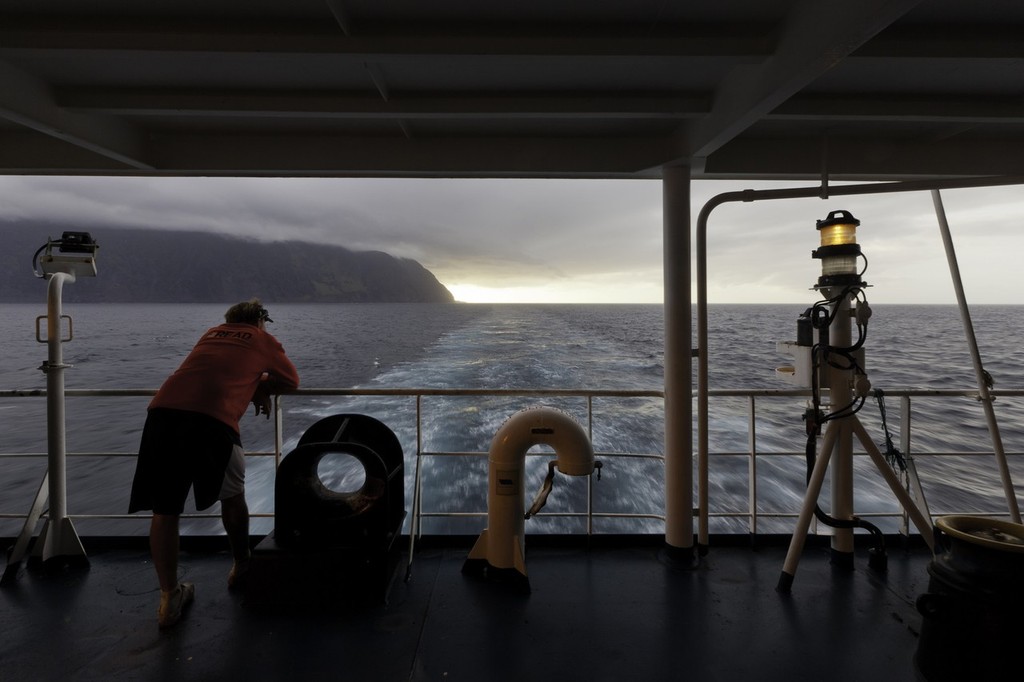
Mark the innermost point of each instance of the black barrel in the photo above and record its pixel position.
(973, 611)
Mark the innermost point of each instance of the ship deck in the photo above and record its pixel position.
(607, 609)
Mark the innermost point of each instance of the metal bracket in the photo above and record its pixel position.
(71, 329)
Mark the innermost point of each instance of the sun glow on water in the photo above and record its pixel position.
(472, 293)
(560, 292)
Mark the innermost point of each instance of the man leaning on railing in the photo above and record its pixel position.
(191, 440)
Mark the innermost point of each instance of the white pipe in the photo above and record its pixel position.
(750, 195)
(979, 370)
(840, 396)
(58, 538)
(55, 429)
(678, 365)
(501, 545)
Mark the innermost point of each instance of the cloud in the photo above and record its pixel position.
(588, 239)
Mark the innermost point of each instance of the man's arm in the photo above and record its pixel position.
(281, 373)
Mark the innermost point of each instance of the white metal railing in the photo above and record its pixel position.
(752, 515)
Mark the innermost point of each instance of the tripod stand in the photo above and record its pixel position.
(839, 437)
(834, 359)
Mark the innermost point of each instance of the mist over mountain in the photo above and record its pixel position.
(136, 265)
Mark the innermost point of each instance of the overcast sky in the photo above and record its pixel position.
(564, 240)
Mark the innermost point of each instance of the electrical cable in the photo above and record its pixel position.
(831, 521)
(892, 454)
(35, 260)
(822, 316)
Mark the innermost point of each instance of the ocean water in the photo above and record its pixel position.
(516, 347)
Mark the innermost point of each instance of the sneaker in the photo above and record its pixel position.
(173, 603)
(237, 575)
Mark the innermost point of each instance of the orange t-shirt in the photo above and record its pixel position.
(221, 374)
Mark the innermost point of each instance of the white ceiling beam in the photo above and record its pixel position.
(164, 34)
(867, 156)
(867, 106)
(818, 35)
(341, 105)
(379, 42)
(27, 101)
(872, 107)
(959, 41)
(853, 157)
(439, 156)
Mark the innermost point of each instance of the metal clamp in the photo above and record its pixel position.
(71, 329)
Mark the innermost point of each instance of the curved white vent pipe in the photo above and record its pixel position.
(499, 551)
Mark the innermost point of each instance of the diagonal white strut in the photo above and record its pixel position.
(972, 342)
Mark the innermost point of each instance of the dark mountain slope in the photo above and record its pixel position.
(195, 267)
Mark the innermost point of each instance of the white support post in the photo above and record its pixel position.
(58, 541)
(841, 396)
(679, 543)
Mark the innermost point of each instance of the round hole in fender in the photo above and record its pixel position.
(340, 472)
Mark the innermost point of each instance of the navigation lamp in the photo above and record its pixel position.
(841, 229)
(839, 251)
(839, 265)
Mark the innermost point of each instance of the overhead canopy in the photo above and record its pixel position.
(518, 88)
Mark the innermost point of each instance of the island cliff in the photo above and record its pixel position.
(137, 265)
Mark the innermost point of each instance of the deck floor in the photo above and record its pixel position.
(612, 611)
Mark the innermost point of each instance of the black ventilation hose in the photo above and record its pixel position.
(855, 522)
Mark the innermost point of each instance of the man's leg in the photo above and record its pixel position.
(234, 512)
(163, 545)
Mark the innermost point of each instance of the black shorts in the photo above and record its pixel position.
(180, 450)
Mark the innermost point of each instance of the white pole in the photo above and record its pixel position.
(58, 539)
(979, 371)
(56, 442)
(840, 397)
(678, 365)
